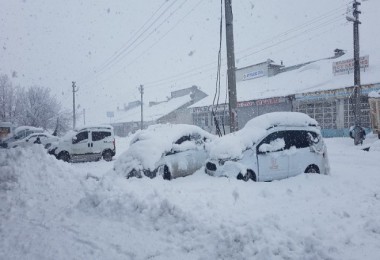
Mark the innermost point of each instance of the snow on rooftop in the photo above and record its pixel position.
(316, 76)
(151, 113)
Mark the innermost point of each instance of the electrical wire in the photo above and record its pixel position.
(210, 67)
(156, 42)
(329, 22)
(127, 50)
(135, 34)
(217, 85)
(212, 64)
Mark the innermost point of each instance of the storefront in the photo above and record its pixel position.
(333, 109)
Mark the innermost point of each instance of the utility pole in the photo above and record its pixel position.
(141, 89)
(358, 132)
(84, 116)
(232, 99)
(75, 89)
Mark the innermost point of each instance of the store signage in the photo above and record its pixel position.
(253, 75)
(260, 102)
(335, 93)
(347, 66)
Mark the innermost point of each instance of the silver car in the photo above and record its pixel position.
(167, 150)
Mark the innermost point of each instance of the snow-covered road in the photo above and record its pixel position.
(54, 210)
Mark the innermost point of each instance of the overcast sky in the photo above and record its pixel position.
(104, 48)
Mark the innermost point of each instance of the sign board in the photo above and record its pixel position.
(110, 114)
(224, 107)
(253, 75)
(347, 66)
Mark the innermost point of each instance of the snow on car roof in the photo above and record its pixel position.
(150, 144)
(109, 127)
(169, 132)
(281, 118)
(232, 145)
(22, 128)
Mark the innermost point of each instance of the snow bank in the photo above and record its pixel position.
(36, 191)
(55, 210)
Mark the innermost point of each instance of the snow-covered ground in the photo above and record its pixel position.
(55, 210)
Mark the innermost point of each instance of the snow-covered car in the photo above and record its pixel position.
(20, 133)
(169, 150)
(272, 146)
(45, 139)
(87, 144)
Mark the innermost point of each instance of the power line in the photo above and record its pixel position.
(131, 39)
(217, 85)
(195, 71)
(297, 28)
(311, 22)
(119, 56)
(329, 22)
(156, 42)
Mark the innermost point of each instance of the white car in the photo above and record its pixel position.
(87, 144)
(37, 138)
(20, 133)
(168, 150)
(270, 147)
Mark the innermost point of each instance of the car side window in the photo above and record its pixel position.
(301, 139)
(99, 135)
(32, 138)
(183, 139)
(80, 137)
(271, 139)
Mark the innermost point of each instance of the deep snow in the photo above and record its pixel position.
(54, 210)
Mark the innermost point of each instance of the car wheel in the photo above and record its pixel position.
(64, 156)
(312, 169)
(167, 175)
(107, 156)
(249, 175)
(133, 173)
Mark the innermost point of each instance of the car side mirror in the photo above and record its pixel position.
(74, 139)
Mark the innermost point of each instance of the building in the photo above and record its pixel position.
(322, 89)
(172, 110)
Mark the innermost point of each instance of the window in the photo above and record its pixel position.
(80, 137)
(183, 139)
(299, 139)
(272, 138)
(99, 135)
